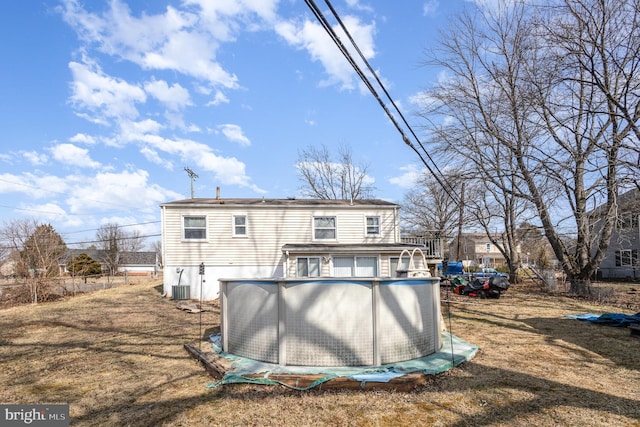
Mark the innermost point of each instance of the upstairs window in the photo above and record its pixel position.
(195, 227)
(626, 258)
(373, 226)
(240, 225)
(324, 228)
(627, 221)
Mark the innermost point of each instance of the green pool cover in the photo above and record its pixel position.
(454, 351)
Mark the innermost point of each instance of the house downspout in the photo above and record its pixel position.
(396, 225)
(163, 237)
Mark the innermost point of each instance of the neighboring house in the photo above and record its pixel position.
(132, 263)
(278, 238)
(622, 260)
(8, 268)
(476, 249)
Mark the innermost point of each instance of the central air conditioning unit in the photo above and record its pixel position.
(180, 292)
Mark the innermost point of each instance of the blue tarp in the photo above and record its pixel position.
(608, 319)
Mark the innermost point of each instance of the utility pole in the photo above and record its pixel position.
(193, 176)
(460, 218)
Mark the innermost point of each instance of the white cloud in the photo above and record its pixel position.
(226, 170)
(130, 131)
(355, 4)
(35, 158)
(311, 37)
(106, 96)
(116, 191)
(408, 178)
(154, 157)
(73, 155)
(218, 98)
(46, 211)
(83, 139)
(225, 18)
(33, 186)
(176, 40)
(174, 97)
(234, 134)
(430, 7)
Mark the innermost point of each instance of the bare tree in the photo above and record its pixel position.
(115, 243)
(324, 177)
(39, 248)
(533, 102)
(156, 246)
(478, 113)
(429, 209)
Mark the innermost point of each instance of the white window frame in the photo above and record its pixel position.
(401, 264)
(185, 228)
(627, 220)
(316, 228)
(354, 265)
(235, 226)
(306, 259)
(626, 255)
(372, 230)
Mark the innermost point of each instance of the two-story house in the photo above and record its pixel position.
(206, 239)
(475, 249)
(622, 260)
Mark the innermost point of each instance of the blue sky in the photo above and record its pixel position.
(105, 102)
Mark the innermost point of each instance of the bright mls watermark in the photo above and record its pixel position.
(54, 415)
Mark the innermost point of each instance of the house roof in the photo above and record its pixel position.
(347, 248)
(629, 200)
(128, 258)
(208, 202)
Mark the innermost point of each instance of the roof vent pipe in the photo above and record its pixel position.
(217, 193)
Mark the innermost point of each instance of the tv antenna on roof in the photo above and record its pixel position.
(193, 176)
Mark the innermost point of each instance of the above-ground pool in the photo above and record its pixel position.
(331, 321)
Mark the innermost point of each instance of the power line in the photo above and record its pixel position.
(57, 192)
(433, 168)
(119, 226)
(121, 238)
(127, 237)
(43, 212)
(124, 238)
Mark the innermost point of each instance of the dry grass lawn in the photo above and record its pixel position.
(117, 357)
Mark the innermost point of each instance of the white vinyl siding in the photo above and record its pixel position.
(269, 228)
(195, 227)
(308, 267)
(359, 266)
(324, 228)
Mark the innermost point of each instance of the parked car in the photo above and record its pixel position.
(487, 272)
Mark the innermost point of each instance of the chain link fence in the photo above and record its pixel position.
(23, 290)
